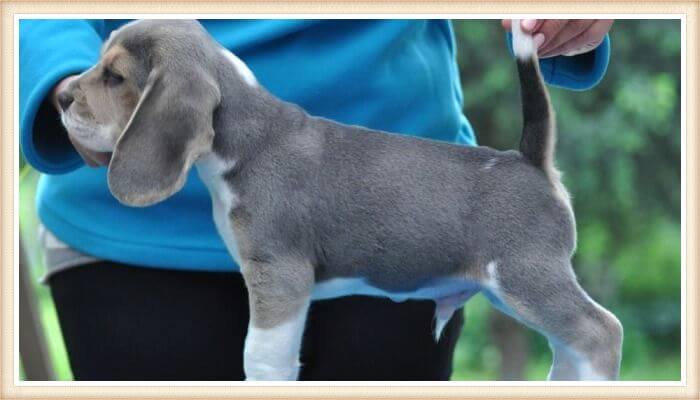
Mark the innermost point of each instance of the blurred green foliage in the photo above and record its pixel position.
(619, 150)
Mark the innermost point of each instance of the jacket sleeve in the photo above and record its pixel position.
(580, 72)
(50, 50)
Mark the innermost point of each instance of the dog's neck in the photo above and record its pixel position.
(247, 122)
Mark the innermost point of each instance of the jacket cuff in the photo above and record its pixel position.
(44, 141)
(580, 72)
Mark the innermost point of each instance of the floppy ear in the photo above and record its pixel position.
(170, 127)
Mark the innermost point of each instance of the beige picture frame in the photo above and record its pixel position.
(11, 387)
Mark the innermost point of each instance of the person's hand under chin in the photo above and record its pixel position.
(92, 158)
(567, 37)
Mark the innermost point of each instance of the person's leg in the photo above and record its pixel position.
(366, 338)
(130, 323)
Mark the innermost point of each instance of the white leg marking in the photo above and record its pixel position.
(571, 363)
(523, 44)
(241, 67)
(586, 372)
(273, 354)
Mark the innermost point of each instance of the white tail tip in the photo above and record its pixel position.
(523, 44)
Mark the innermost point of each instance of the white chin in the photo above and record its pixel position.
(92, 138)
(95, 144)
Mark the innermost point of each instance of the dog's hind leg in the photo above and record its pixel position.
(585, 338)
(279, 295)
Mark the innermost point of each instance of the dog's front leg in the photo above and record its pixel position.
(279, 294)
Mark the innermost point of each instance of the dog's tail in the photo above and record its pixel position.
(539, 132)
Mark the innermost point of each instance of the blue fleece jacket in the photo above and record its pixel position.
(394, 75)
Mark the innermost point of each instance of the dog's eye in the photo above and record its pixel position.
(111, 78)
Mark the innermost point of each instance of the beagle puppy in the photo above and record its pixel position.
(313, 209)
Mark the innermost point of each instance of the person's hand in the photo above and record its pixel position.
(567, 37)
(92, 158)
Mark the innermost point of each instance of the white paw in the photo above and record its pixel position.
(263, 372)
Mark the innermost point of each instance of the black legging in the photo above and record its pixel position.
(128, 323)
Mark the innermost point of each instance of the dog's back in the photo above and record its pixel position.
(386, 202)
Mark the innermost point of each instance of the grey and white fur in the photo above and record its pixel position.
(314, 209)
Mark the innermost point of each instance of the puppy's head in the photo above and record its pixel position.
(150, 100)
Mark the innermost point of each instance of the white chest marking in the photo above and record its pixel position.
(223, 199)
(242, 69)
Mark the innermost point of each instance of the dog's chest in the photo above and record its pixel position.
(211, 170)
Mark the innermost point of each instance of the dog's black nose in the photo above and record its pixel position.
(64, 100)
